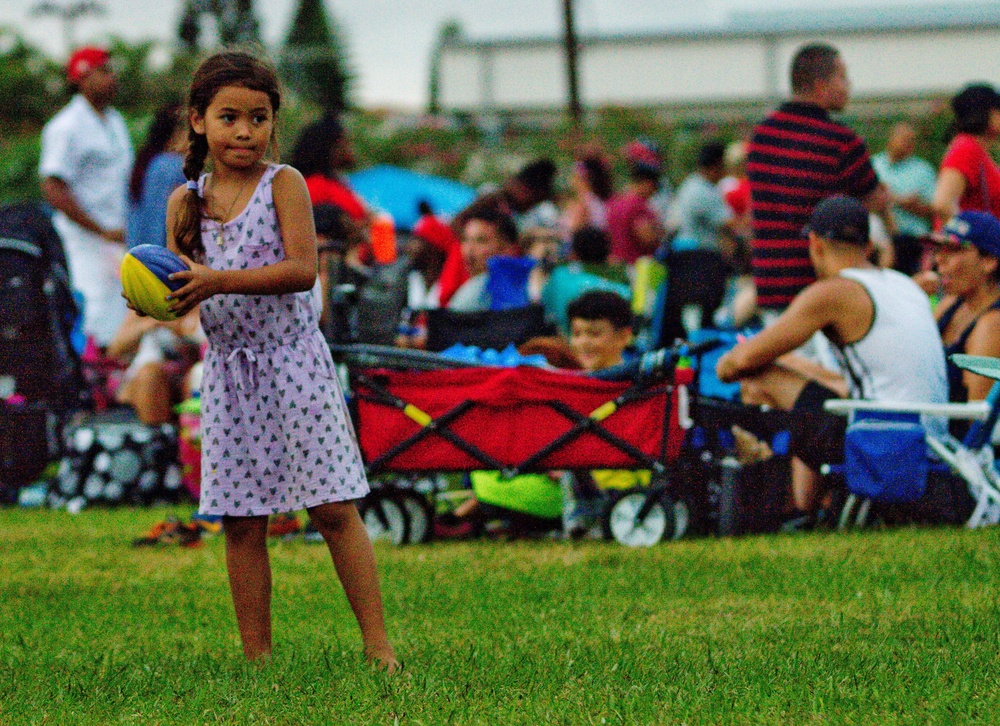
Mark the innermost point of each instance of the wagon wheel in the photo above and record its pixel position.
(385, 518)
(420, 513)
(666, 518)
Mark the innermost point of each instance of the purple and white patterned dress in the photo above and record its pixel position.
(276, 433)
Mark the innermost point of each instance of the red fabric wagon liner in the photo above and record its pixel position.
(511, 419)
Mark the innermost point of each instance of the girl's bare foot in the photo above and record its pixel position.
(383, 657)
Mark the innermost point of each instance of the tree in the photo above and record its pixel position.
(141, 89)
(449, 32)
(314, 60)
(189, 27)
(69, 13)
(235, 22)
(31, 86)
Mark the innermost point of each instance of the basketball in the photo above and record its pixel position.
(145, 278)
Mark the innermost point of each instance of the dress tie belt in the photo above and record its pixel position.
(246, 372)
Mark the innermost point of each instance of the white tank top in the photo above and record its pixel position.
(901, 358)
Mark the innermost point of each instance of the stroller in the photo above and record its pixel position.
(418, 413)
(41, 378)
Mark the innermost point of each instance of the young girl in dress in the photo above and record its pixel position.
(276, 434)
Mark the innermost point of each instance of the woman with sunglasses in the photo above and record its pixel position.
(967, 257)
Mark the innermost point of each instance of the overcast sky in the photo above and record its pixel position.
(389, 41)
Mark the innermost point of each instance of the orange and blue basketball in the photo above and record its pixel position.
(146, 272)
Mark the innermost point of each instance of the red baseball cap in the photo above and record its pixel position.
(83, 61)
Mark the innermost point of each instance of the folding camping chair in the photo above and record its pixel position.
(885, 462)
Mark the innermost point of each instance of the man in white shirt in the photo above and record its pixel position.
(85, 164)
(882, 332)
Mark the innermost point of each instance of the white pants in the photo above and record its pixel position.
(95, 271)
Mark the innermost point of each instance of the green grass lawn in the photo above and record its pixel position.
(880, 627)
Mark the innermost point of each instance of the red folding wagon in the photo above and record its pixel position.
(417, 413)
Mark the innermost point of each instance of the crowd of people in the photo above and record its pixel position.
(847, 264)
(835, 254)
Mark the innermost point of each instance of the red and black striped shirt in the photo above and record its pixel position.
(797, 157)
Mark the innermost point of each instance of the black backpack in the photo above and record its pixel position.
(37, 311)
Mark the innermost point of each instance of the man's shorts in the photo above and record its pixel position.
(817, 436)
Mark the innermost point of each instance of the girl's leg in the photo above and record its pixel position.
(354, 559)
(250, 582)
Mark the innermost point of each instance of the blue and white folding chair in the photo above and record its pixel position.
(884, 460)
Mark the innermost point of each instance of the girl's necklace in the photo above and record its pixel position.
(220, 238)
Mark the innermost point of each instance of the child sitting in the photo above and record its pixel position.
(159, 356)
(600, 330)
(600, 325)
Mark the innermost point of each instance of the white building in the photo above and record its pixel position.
(901, 57)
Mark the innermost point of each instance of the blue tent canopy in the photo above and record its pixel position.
(397, 191)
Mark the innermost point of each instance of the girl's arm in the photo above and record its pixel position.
(296, 273)
(177, 198)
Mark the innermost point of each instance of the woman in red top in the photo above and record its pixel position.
(343, 221)
(322, 152)
(969, 179)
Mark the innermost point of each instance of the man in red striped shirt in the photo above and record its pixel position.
(797, 157)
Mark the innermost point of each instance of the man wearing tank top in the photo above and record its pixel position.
(882, 333)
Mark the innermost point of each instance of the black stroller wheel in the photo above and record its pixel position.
(385, 518)
(420, 513)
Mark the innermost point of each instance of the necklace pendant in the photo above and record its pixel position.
(220, 238)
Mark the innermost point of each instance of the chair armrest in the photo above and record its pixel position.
(976, 410)
(980, 364)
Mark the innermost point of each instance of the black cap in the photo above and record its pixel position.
(840, 218)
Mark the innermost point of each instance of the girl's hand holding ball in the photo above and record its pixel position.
(201, 283)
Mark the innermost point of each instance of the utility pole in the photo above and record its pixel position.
(69, 13)
(575, 110)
